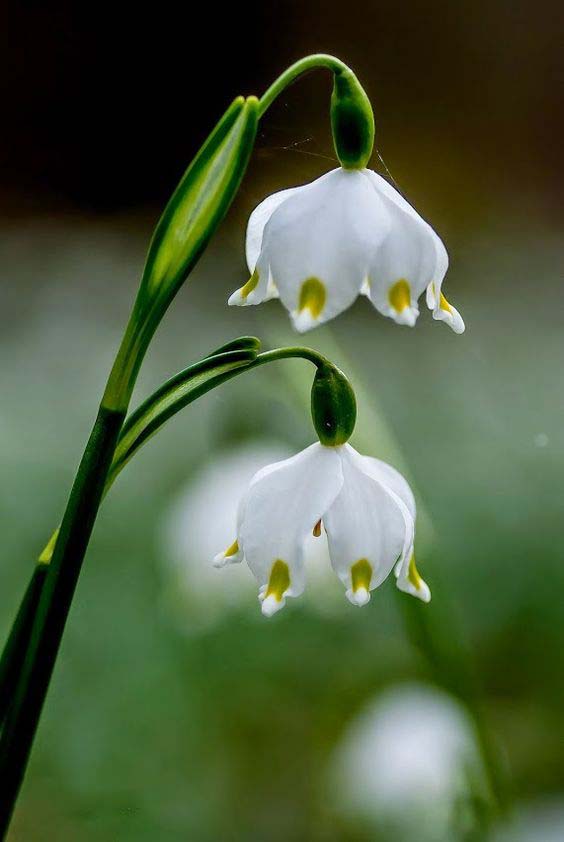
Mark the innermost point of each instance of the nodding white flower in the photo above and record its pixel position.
(365, 506)
(195, 594)
(319, 245)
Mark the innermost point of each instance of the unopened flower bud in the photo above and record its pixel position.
(352, 121)
(333, 406)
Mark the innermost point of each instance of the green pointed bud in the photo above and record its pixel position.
(190, 219)
(333, 406)
(200, 201)
(352, 121)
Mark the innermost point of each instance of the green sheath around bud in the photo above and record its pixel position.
(352, 121)
(333, 406)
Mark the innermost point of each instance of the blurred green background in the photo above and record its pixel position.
(176, 711)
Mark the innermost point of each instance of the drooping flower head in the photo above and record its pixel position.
(318, 246)
(365, 506)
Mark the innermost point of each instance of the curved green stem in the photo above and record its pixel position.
(291, 352)
(183, 389)
(180, 391)
(314, 62)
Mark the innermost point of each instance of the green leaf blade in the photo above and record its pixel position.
(174, 395)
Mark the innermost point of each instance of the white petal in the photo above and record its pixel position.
(260, 287)
(324, 233)
(368, 527)
(447, 313)
(258, 220)
(407, 261)
(281, 507)
(443, 310)
(232, 555)
(409, 580)
(389, 476)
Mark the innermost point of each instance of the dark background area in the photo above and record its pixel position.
(104, 104)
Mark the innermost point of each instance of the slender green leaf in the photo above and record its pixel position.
(176, 393)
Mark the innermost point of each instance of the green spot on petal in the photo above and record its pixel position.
(279, 580)
(312, 297)
(445, 305)
(413, 574)
(361, 575)
(251, 284)
(399, 295)
(232, 550)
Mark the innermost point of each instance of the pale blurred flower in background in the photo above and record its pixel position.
(407, 764)
(201, 521)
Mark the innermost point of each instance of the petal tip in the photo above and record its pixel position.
(443, 311)
(407, 317)
(303, 320)
(458, 325)
(236, 299)
(219, 561)
(453, 319)
(232, 555)
(422, 592)
(270, 605)
(359, 597)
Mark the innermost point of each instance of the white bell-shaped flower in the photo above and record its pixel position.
(319, 245)
(365, 506)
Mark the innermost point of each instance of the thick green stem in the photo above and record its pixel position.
(52, 611)
(129, 444)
